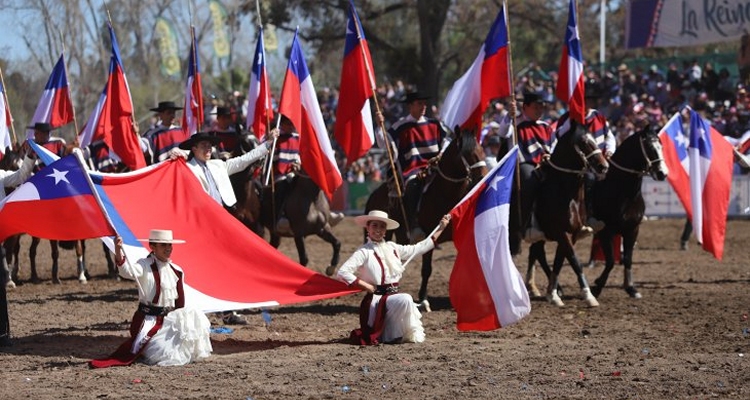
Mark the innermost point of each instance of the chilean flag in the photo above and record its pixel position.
(488, 78)
(55, 106)
(675, 142)
(354, 129)
(299, 103)
(192, 117)
(252, 274)
(61, 188)
(259, 110)
(711, 162)
(570, 87)
(485, 287)
(112, 119)
(5, 121)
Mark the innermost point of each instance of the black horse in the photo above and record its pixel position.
(560, 208)
(618, 200)
(458, 169)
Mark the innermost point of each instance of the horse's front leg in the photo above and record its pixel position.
(552, 295)
(299, 241)
(426, 272)
(6, 279)
(55, 251)
(111, 269)
(530, 275)
(606, 241)
(628, 242)
(32, 258)
(81, 260)
(327, 235)
(570, 255)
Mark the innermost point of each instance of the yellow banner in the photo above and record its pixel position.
(221, 38)
(167, 42)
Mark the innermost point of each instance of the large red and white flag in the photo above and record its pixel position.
(570, 82)
(252, 274)
(259, 109)
(354, 128)
(675, 143)
(55, 106)
(299, 103)
(112, 118)
(488, 78)
(192, 117)
(485, 287)
(5, 121)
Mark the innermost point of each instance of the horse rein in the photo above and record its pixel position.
(649, 162)
(467, 178)
(584, 157)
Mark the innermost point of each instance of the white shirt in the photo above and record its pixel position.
(15, 178)
(365, 265)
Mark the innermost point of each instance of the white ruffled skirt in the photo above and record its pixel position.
(402, 319)
(183, 337)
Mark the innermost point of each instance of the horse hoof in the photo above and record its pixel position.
(589, 298)
(554, 299)
(56, 281)
(424, 304)
(534, 291)
(633, 292)
(596, 290)
(330, 270)
(10, 285)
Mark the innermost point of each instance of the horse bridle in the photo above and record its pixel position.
(649, 161)
(468, 168)
(584, 157)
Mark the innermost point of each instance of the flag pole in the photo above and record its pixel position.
(7, 104)
(72, 105)
(517, 173)
(379, 113)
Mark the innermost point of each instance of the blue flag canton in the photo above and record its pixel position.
(498, 35)
(297, 62)
(700, 135)
(681, 141)
(498, 186)
(572, 40)
(63, 178)
(352, 38)
(258, 60)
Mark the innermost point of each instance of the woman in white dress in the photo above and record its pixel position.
(386, 316)
(163, 331)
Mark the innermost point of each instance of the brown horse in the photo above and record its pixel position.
(560, 208)
(459, 167)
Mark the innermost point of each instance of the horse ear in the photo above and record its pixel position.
(457, 130)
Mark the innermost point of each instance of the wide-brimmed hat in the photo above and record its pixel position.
(199, 137)
(165, 105)
(223, 111)
(414, 96)
(161, 236)
(531, 98)
(592, 90)
(376, 215)
(41, 126)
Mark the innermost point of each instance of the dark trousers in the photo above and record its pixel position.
(4, 319)
(686, 231)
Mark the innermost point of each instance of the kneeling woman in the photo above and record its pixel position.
(163, 330)
(385, 315)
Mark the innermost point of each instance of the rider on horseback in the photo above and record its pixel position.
(596, 123)
(165, 135)
(418, 140)
(535, 138)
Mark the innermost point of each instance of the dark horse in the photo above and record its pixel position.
(618, 200)
(560, 208)
(459, 167)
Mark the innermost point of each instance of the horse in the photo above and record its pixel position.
(450, 178)
(560, 216)
(618, 200)
(307, 209)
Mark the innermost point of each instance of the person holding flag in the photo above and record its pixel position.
(386, 316)
(163, 331)
(56, 145)
(418, 140)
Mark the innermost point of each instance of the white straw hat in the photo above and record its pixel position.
(376, 215)
(161, 236)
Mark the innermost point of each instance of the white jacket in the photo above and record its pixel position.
(220, 171)
(15, 178)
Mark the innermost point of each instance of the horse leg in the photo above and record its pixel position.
(628, 242)
(111, 269)
(531, 271)
(426, 272)
(275, 240)
(552, 295)
(81, 260)
(299, 241)
(11, 256)
(570, 255)
(327, 235)
(53, 244)
(7, 281)
(32, 259)
(606, 243)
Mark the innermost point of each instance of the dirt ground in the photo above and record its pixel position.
(686, 338)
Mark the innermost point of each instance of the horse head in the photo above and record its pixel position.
(653, 153)
(576, 151)
(463, 159)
